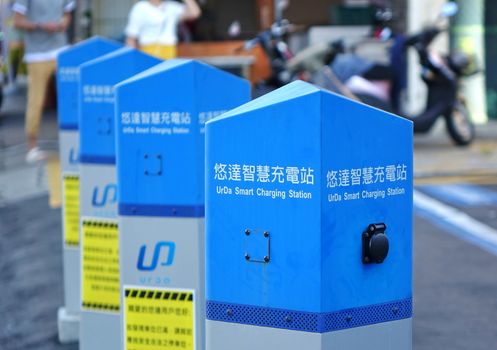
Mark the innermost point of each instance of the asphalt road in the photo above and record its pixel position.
(455, 295)
(455, 292)
(30, 276)
(455, 277)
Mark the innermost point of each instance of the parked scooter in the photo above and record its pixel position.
(284, 65)
(375, 84)
(274, 45)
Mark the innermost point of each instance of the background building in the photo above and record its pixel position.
(108, 18)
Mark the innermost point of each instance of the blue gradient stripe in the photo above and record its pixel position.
(183, 211)
(90, 159)
(309, 321)
(68, 127)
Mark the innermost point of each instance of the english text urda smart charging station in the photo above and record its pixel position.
(308, 225)
(68, 63)
(161, 115)
(100, 297)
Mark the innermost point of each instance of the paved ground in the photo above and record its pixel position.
(436, 156)
(455, 275)
(31, 270)
(455, 287)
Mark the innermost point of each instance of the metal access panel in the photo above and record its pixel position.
(160, 163)
(308, 224)
(100, 289)
(68, 63)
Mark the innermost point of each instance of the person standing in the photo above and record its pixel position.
(44, 23)
(152, 25)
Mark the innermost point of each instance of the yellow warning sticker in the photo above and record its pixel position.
(159, 319)
(71, 210)
(100, 265)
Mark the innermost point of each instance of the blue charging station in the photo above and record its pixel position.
(308, 225)
(100, 289)
(68, 63)
(161, 115)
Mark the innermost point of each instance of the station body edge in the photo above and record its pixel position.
(100, 326)
(161, 115)
(68, 63)
(295, 179)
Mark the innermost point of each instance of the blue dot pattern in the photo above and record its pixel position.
(309, 321)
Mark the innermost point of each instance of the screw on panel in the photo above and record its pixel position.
(266, 234)
(395, 310)
(348, 318)
(229, 312)
(247, 257)
(247, 232)
(288, 319)
(266, 259)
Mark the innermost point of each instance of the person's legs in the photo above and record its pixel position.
(39, 75)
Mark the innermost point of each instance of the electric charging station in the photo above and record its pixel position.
(100, 296)
(308, 225)
(161, 115)
(68, 63)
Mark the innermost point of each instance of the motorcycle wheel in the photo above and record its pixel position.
(459, 125)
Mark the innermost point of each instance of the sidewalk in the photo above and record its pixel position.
(436, 156)
(19, 180)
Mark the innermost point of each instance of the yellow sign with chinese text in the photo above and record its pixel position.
(100, 265)
(159, 319)
(71, 210)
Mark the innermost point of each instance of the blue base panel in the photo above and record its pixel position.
(88, 159)
(309, 321)
(181, 211)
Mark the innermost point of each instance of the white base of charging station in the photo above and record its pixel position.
(68, 325)
(394, 335)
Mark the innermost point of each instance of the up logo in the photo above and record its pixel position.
(167, 257)
(106, 197)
